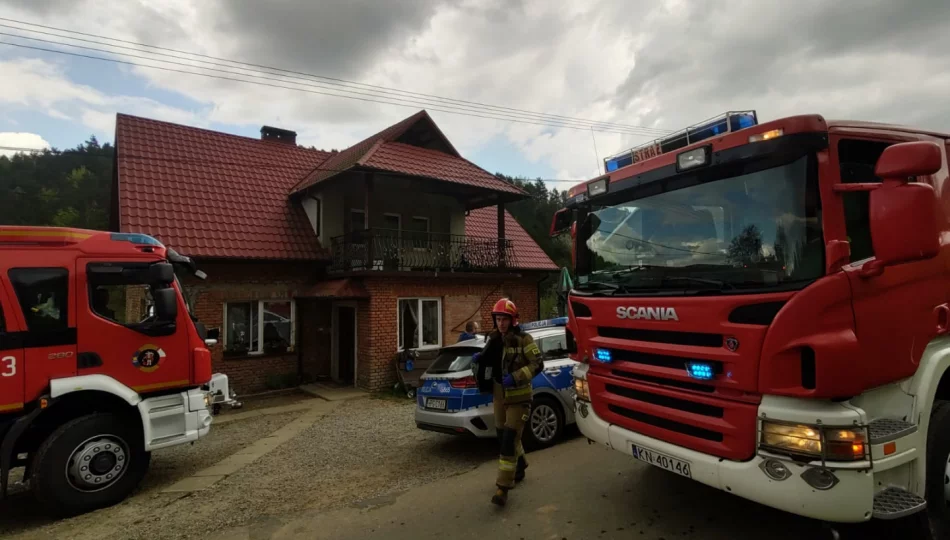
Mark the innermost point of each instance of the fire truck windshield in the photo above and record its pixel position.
(757, 230)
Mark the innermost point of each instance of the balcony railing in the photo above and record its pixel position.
(405, 251)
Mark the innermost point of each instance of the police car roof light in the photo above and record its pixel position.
(547, 323)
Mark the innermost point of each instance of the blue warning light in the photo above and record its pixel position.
(603, 355)
(700, 370)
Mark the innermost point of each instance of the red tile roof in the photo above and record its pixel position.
(337, 288)
(382, 152)
(212, 194)
(528, 255)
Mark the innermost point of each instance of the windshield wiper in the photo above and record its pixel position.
(720, 285)
(610, 287)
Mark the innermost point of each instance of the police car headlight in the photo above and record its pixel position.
(209, 400)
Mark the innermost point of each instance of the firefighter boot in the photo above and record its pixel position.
(519, 472)
(500, 497)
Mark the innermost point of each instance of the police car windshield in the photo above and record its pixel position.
(453, 359)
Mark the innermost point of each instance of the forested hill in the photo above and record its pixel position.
(69, 188)
(72, 188)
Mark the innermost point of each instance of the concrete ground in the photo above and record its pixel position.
(573, 491)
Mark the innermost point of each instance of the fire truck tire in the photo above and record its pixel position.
(934, 523)
(545, 424)
(91, 462)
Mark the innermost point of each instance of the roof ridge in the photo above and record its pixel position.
(218, 133)
(372, 150)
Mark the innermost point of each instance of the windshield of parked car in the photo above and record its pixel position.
(453, 359)
(756, 230)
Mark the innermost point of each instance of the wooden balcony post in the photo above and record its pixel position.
(502, 244)
(367, 234)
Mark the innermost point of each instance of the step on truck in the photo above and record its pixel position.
(101, 362)
(763, 308)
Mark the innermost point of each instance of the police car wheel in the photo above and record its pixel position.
(545, 423)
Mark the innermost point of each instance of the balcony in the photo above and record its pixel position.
(376, 250)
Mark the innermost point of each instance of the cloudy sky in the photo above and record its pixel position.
(639, 65)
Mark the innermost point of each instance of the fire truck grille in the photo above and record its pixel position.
(660, 360)
(695, 339)
(669, 425)
(662, 381)
(666, 401)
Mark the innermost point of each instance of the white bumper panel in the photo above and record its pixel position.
(461, 420)
(174, 419)
(849, 501)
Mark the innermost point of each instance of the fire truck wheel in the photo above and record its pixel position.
(91, 462)
(545, 423)
(935, 521)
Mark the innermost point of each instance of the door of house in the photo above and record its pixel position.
(345, 344)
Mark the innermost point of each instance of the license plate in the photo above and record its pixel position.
(438, 404)
(662, 461)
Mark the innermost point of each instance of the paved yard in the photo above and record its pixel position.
(363, 449)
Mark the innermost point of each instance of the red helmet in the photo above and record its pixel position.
(505, 307)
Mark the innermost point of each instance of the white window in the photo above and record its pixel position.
(261, 326)
(420, 323)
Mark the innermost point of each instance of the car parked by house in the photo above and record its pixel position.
(448, 400)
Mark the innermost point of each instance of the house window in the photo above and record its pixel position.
(420, 323)
(357, 220)
(42, 293)
(419, 232)
(259, 327)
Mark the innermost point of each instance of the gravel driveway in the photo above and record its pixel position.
(364, 450)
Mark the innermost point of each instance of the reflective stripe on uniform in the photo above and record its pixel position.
(532, 348)
(507, 466)
(518, 391)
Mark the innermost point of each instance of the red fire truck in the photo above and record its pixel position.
(763, 308)
(100, 362)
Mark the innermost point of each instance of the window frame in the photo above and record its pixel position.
(260, 351)
(427, 242)
(357, 211)
(419, 301)
(545, 351)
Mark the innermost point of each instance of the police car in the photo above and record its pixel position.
(448, 400)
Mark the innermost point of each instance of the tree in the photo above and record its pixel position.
(746, 248)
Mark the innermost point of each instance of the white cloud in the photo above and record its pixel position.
(17, 139)
(636, 62)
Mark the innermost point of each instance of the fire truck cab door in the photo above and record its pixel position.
(12, 361)
(119, 331)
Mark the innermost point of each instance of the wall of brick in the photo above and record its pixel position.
(247, 281)
(462, 300)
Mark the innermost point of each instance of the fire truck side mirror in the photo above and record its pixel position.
(161, 273)
(561, 221)
(166, 304)
(903, 213)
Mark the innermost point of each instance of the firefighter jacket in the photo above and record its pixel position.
(516, 354)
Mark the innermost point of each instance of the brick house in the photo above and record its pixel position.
(322, 265)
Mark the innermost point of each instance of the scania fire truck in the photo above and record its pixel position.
(763, 308)
(101, 362)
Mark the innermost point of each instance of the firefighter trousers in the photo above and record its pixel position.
(510, 420)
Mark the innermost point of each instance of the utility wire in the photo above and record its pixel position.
(305, 168)
(212, 76)
(336, 81)
(346, 93)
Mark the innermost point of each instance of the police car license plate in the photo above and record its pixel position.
(438, 404)
(662, 461)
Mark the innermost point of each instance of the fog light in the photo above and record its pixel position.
(583, 410)
(775, 469)
(820, 479)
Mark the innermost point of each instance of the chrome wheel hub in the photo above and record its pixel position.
(97, 463)
(543, 423)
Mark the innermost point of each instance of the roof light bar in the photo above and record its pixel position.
(719, 125)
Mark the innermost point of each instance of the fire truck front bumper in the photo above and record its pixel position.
(767, 480)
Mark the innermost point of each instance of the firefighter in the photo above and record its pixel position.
(520, 361)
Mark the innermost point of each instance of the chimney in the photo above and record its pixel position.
(269, 133)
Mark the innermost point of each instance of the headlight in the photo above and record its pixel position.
(828, 443)
(581, 389)
(209, 400)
